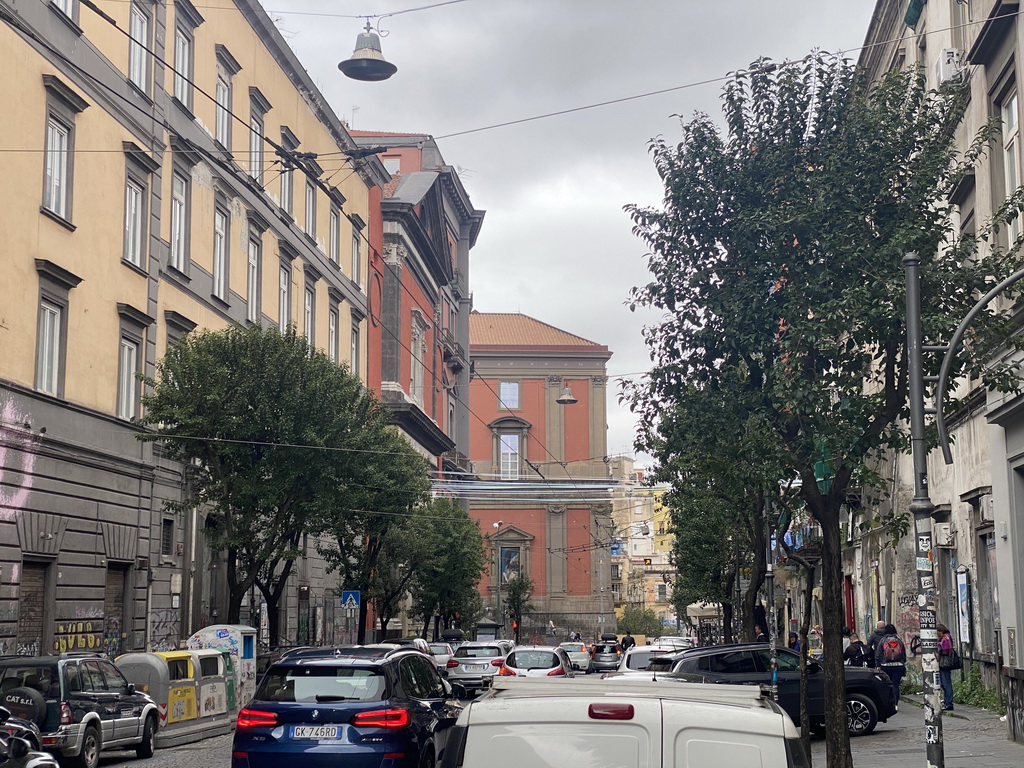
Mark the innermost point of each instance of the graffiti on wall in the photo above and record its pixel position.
(1015, 708)
(164, 629)
(17, 460)
(78, 636)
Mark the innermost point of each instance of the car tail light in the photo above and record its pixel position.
(555, 672)
(611, 711)
(506, 672)
(66, 718)
(497, 662)
(254, 718)
(451, 664)
(383, 718)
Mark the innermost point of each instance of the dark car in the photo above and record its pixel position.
(81, 703)
(19, 728)
(605, 657)
(16, 752)
(870, 698)
(357, 707)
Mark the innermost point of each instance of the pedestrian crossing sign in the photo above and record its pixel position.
(350, 598)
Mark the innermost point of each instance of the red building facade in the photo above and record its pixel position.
(541, 487)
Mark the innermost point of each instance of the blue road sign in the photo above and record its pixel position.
(350, 598)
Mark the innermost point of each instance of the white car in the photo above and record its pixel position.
(578, 654)
(536, 661)
(639, 656)
(441, 653)
(674, 641)
(553, 723)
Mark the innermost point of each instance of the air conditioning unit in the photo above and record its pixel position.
(987, 508)
(943, 535)
(948, 65)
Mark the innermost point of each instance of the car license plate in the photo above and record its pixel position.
(315, 732)
(476, 667)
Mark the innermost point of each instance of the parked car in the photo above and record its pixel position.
(578, 655)
(441, 653)
(537, 661)
(81, 703)
(674, 641)
(870, 698)
(606, 656)
(473, 663)
(547, 723)
(389, 707)
(639, 656)
(16, 752)
(19, 728)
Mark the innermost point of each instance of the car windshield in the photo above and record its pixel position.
(574, 647)
(39, 677)
(321, 684)
(606, 648)
(440, 649)
(660, 664)
(532, 660)
(479, 652)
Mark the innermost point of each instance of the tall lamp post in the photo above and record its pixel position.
(499, 614)
(922, 508)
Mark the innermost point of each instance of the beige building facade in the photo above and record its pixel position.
(169, 167)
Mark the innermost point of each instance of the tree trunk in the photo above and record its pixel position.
(757, 572)
(805, 626)
(384, 621)
(727, 619)
(361, 629)
(837, 736)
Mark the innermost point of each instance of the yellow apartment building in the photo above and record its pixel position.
(167, 166)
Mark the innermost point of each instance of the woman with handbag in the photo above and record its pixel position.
(947, 663)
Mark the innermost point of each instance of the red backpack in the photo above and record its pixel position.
(892, 649)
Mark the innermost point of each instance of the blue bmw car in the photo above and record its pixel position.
(361, 707)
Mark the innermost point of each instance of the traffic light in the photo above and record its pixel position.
(648, 561)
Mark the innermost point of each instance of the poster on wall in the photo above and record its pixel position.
(963, 604)
(510, 563)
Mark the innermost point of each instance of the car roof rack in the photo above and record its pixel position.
(653, 686)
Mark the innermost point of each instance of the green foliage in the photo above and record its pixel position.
(969, 689)
(640, 621)
(446, 581)
(516, 595)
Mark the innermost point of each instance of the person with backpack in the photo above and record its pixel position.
(856, 653)
(948, 661)
(891, 657)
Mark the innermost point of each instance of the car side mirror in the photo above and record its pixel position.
(17, 748)
(459, 691)
(131, 688)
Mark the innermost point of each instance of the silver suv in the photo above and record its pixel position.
(473, 663)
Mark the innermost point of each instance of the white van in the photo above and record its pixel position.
(625, 722)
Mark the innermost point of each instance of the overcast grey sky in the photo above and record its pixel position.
(556, 244)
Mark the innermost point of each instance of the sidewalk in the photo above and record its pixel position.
(971, 737)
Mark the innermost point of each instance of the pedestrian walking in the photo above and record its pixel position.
(794, 641)
(948, 661)
(627, 641)
(857, 654)
(877, 635)
(891, 657)
(759, 635)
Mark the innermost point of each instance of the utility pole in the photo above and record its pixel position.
(771, 619)
(922, 508)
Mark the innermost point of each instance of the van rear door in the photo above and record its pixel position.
(697, 736)
(558, 731)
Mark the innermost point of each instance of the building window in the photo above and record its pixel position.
(310, 209)
(334, 242)
(508, 453)
(223, 118)
(662, 593)
(134, 220)
(354, 351)
(64, 6)
(1011, 155)
(508, 394)
(256, 146)
(127, 385)
(138, 43)
(287, 187)
(418, 353)
(183, 66)
(308, 313)
(49, 338)
(56, 189)
(179, 221)
(357, 269)
(616, 572)
(332, 335)
(284, 290)
(62, 104)
(391, 164)
(167, 537)
(220, 253)
(252, 281)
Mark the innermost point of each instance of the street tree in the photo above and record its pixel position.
(444, 589)
(517, 593)
(776, 261)
(639, 621)
(270, 431)
(368, 545)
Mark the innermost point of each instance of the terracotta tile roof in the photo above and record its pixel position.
(391, 186)
(501, 329)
